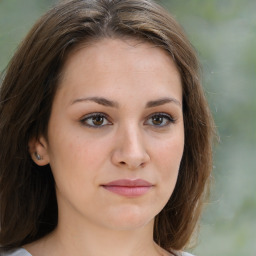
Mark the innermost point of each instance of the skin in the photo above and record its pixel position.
(132, 141)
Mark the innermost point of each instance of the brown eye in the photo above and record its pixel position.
(157, 120)
(160, 120)
(95, 120)
(98, 120)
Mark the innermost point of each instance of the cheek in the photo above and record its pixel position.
(171, 152)
(77, 161)
(75, 165)
(72, 149)
(169, 158)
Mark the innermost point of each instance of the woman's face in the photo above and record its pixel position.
(115, 135)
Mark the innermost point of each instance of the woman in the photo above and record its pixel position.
(105, 134)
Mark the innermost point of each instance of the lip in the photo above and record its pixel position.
(128, 188)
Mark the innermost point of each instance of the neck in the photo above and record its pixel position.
(73, 239)
(100, 242)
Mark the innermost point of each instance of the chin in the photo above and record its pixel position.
(130, 219)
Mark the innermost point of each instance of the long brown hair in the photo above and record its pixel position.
(28, 206)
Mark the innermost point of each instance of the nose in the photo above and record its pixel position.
(130, 151)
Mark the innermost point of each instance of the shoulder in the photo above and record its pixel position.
(177, 253)
(186, 254)
(16, 252)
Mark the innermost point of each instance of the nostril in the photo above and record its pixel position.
(122, 163)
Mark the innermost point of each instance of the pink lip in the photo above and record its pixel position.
(129, 188)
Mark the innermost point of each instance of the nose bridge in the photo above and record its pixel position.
(132, 139)
(130, 149)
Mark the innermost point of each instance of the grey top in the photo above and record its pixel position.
(16, 252)
(23, 252)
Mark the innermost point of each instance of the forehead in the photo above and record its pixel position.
(118, 52)
(113, 64)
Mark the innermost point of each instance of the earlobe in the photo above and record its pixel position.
(38, 149)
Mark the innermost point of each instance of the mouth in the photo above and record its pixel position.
(128, 188)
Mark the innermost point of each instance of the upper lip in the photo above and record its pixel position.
(129, 183)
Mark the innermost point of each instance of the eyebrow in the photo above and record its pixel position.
(99, 100)
(162, 101)
(114, 104)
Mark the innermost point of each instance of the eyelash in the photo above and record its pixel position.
(169, 120)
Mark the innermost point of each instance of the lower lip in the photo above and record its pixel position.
(128, 191)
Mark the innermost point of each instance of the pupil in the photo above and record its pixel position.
(157, 119)
(98, 120)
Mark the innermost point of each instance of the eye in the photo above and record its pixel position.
(95, 120)
(160, 120)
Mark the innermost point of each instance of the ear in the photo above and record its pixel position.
(38, 149)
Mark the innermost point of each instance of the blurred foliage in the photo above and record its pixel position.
(224, 35)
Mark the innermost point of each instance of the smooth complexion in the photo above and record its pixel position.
(115, 142)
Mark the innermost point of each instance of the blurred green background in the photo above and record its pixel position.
(224, 34)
